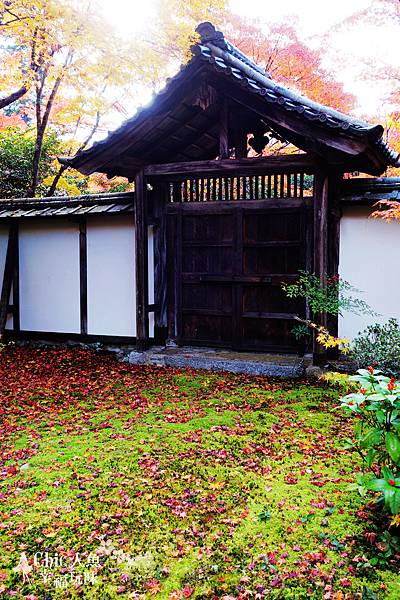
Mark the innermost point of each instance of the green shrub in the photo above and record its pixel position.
(379, 345)
(376, 435)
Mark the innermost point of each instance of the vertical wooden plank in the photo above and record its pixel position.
(15, 285)
(178, 278)
(185, 191)
(160, 262)
(141, 247)
(171, 279)
(214, 189)
(226, 186)
(301, 185)
(289, 185)
(282, 185)
(223, 129)
(9, 272)
(237, 286)
(334, 216)
(208, 192)
(220, 196)
(321, 197)
(295, 178)
(191, 190)
(83, 276)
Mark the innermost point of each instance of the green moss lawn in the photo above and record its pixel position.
(139, 482)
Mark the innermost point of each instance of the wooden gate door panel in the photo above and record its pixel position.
(274, 250)
(229, 262)
(207, 267)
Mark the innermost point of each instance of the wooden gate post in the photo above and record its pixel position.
(142, 277)
(321, 206)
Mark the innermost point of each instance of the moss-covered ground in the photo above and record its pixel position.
(145, 482)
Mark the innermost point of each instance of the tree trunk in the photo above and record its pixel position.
(41, 129)
(56, 179)
(42, 121)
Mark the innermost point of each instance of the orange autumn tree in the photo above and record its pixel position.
(278, 49)
(288, 60)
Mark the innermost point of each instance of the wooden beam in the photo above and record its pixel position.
(9, 276)
(141, 248)
(246, 166)
(83, 276)
(240, 142)
(320, 262)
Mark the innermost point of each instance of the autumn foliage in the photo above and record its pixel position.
(289, 61)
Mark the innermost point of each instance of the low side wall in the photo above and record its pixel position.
(49, 276)
(369, 260)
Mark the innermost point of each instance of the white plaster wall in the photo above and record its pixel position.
(3, 248)
(49, 276)
(369, 260)
(111, 276)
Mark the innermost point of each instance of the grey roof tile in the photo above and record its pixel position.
(29, 208)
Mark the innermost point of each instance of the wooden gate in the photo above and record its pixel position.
(226, 262)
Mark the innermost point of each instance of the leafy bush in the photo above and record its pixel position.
(330, 295)
(334, 297)
(376, 435)
(379, 345)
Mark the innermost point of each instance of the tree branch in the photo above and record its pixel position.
(63, 168)
(13, 97)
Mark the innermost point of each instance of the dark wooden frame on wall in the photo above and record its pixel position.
(142, 263)
(83, 302)
(10, 281)
(326, 245)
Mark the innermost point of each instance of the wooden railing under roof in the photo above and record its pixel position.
(229, 180)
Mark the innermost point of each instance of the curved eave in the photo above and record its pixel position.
(373, 154)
